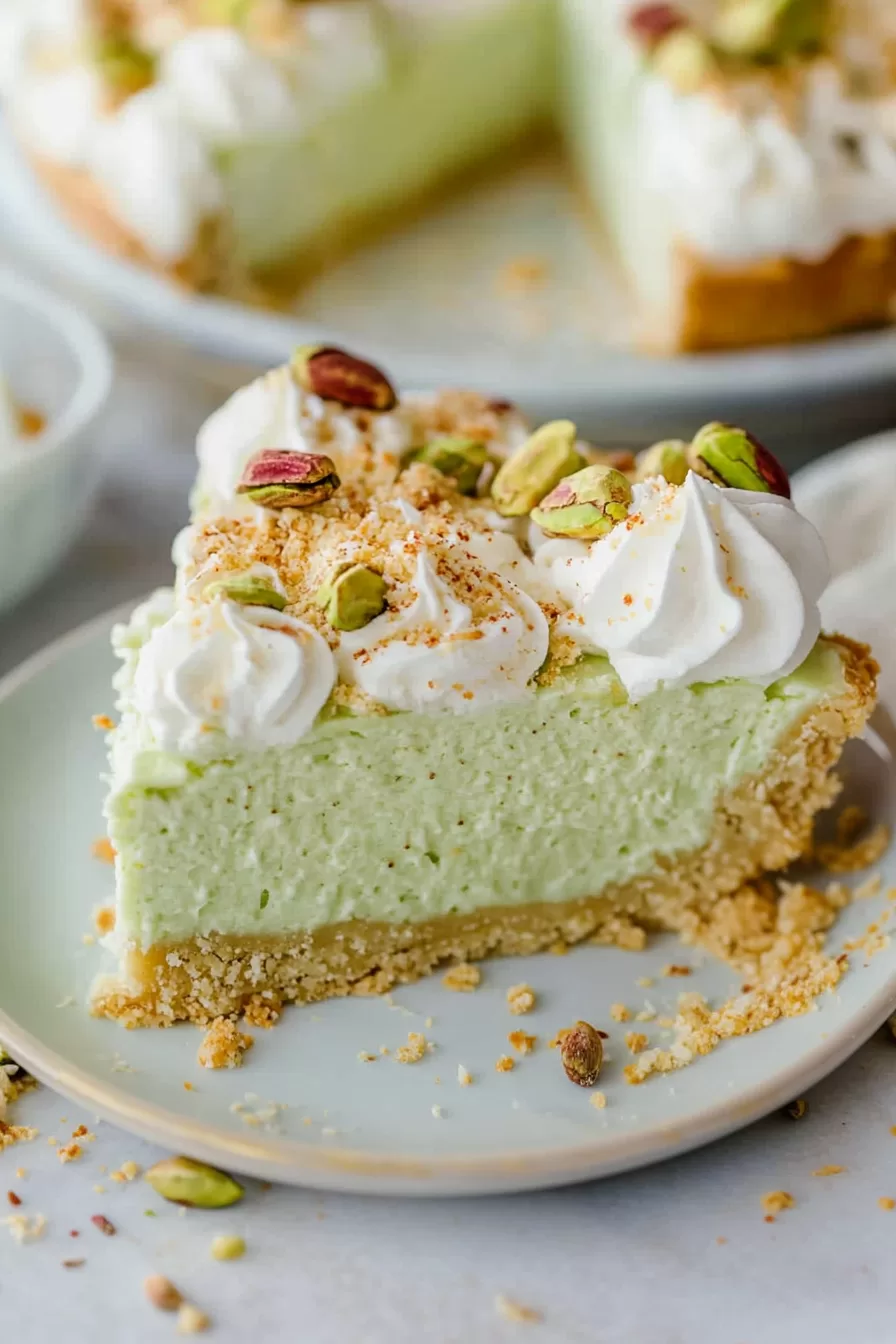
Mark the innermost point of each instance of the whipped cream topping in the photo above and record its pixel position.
(154, 155)
(260, 677)
(698, 585)
(433, 653)
(156, 171)
(742, 184)
(274, 412)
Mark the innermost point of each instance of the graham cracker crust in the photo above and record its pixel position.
(780, 300)
(760, 826)
(84, 204)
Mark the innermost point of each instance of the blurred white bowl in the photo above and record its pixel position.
(55, 361)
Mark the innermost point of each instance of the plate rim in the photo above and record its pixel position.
(358, 1171)
(617, 383)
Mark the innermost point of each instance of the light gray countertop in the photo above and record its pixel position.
(678, 1254)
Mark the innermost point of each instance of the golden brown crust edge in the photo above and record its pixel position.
(84, 204)
(780, 300)
(761, 826)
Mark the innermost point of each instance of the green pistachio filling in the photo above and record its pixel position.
(411, 816)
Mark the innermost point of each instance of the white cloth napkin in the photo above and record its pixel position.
(850, 496)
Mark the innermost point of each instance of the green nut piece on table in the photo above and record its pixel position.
(335, 375)
(455, 456)
(183, 1181)
(586, 505)
(668, 459)
(731, 457)
(278, 478)
(684, 59)
(250, 590)
(535, 468)
(771, 29)
(352, 597)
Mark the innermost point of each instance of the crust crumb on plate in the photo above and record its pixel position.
(224, 1045)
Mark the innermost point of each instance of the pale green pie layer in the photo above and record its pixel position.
(464, 89)
(412, 816)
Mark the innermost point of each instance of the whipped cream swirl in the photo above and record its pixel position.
(275, 411)
(435, 654)
(698, 585)
(256, 675)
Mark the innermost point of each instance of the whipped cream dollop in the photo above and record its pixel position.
(434, 653)
(746, 180)
(156, 171)
(699, 584)
(257, 675)
(274, 411)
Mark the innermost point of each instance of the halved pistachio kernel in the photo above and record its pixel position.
(586, 505)
(649, 23)
(731, 457)
(684, 59)
(668, 459)
(250, 590)
(124, 67)
(352, 596)
(535, 468)
(278, 478)
(770, 29)
(183, 1181)
(455, 456)
(335, 375)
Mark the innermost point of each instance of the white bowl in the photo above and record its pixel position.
(54, 360)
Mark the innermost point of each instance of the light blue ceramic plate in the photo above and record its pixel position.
(354, 1126)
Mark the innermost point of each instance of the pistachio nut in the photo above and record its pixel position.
(582, 1054)
(336, 375)
(455, 456)
(250, 590)
(586, 505)
(224, 13)
(279, 478)
(228, 1248)
(183, 1181)
(770, 29)
(124, 67)
(535, 468)
(668, 459)
(732, 457)
(684, 60)
(352, 596)
(650, 23)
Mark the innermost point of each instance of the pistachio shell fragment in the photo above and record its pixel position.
(455, 456)
(336, 375)
(535, 468)
(668, 459)
(352, 597)
(582, 1053)
(585, 505)
(731, 457)
(278, 478)
(183, 1181)
(684, 60)
(250, 590)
